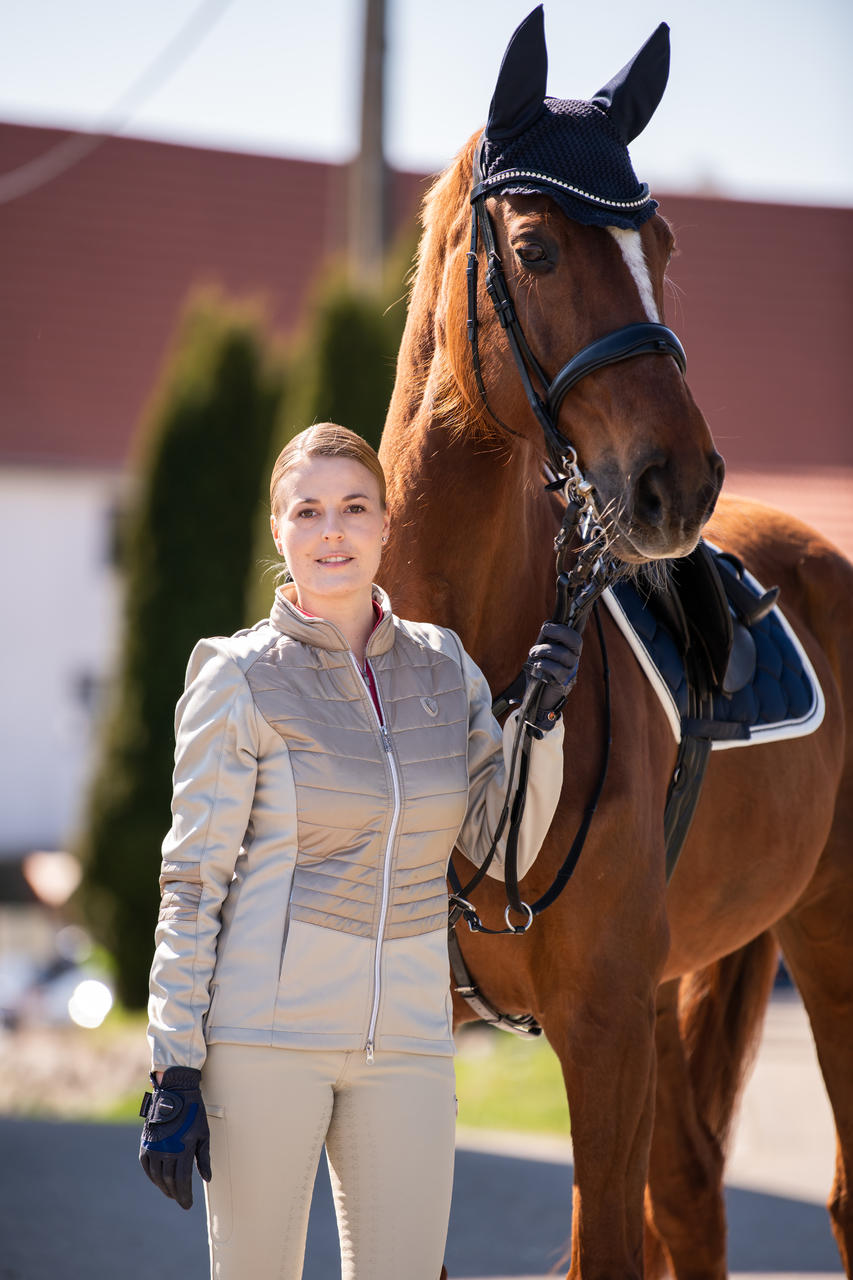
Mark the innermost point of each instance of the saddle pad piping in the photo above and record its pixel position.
(640, 652)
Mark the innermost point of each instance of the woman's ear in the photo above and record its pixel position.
(275, 537)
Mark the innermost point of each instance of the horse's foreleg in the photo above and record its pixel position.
(604, 1038)
(684, 1202)
(817, 941)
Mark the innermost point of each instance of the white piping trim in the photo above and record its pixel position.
(650, 671)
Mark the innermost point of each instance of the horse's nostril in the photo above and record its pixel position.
(648, 497)
(718, 469)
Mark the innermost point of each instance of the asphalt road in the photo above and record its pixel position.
(74, 1204)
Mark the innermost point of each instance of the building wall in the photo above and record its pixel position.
(60, 603)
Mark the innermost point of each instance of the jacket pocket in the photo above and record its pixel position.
(416, 980)
(326, 981)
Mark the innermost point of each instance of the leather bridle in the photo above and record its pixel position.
(645, 338)
(578, 587)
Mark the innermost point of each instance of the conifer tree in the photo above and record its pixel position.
(187, 556)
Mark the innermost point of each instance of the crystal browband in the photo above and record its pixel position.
(510, 175)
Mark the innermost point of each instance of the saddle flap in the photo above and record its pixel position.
(705, 604)
(742, 661)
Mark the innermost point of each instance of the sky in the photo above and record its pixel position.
(759, 103)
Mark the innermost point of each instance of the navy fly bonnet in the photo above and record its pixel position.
(574, 151)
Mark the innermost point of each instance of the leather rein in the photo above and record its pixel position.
(578, 586)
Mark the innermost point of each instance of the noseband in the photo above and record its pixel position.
(631, 340)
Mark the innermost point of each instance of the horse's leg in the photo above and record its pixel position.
(604, 1038)
(707, 1029)
(684, 1205)
(817, 940)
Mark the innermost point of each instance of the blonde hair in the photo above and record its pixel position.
(326, 440)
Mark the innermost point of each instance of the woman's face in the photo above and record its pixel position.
(329, 524)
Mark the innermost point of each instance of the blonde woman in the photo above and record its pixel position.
(327, 761)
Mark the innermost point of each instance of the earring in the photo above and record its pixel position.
(384, 538)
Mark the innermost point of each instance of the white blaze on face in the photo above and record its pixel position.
(631, 245)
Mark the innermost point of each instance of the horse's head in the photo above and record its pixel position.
(583, 256)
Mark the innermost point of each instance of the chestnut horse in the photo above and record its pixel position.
(768, 858)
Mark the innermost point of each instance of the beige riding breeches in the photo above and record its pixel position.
(388, 1128)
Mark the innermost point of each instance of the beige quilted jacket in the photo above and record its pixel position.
(304, 900)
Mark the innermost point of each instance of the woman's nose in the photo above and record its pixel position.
(333, 528)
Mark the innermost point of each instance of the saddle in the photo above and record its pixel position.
(725, 664)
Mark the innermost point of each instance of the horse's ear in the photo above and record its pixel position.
(631, 97)
(520, 90)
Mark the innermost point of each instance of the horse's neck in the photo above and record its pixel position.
(471, 539)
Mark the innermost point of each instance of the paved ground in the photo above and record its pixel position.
(74, 1205)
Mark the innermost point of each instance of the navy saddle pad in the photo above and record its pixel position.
(781, 696)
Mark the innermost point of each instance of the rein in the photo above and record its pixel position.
(578, 590)
(578, 587)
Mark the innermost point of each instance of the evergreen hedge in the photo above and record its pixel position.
(187, 560)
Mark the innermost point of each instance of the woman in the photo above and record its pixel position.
(327, 761)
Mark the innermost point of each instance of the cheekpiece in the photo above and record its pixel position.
(575, 151)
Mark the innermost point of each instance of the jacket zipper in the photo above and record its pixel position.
(386, 869)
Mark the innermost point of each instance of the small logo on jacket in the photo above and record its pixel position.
(430, 705)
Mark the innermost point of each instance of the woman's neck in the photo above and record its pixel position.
(354, 617)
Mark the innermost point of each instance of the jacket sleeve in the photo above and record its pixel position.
(489, 755)
(216, 749)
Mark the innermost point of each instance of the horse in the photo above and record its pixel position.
(651, 994)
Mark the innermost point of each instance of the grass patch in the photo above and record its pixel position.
(506, 1082)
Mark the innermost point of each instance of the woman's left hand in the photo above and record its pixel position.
(554, 659)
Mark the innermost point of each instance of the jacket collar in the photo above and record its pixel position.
(324, 634)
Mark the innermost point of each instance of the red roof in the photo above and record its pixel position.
(98, 262)
(764, 308)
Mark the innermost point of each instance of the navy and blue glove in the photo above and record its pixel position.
(175, 1134)
(553, 659)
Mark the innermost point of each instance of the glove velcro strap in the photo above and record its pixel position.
(181, 1078)
(167, 1106)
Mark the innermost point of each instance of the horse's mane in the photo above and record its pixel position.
(437, 351)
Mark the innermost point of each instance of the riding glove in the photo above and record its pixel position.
(175, 1134)
(553, 659)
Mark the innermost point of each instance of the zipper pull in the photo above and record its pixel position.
(386, 741)
(369, 1051)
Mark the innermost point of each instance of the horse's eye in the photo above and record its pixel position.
(531, 252)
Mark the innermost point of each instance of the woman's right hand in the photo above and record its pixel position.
(175, 1135)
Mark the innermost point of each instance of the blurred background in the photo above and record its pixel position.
(207, 215)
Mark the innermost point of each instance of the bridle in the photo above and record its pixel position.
(645, 338)
(578, 585)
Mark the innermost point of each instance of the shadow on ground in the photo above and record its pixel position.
(74, 1203)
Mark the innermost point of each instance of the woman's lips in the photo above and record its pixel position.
(333, 560)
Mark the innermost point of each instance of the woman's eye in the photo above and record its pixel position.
(308, 511)
(531, 253)
(356, 507)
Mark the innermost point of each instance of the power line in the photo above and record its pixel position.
(59, 158)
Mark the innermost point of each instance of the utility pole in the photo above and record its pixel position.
(367, 179)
